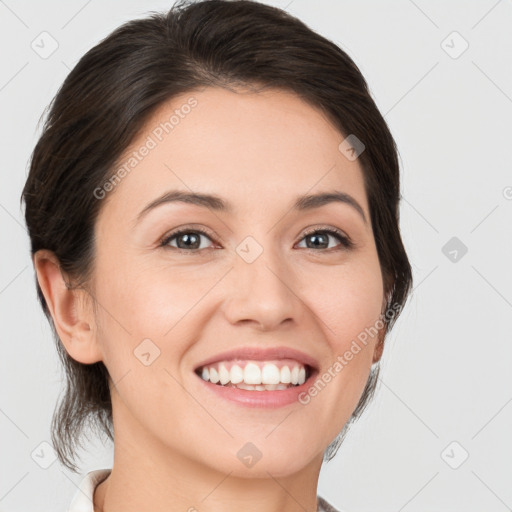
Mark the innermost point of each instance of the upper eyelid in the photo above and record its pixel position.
(180, 230)
(333, 230)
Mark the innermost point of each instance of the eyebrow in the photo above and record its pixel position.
(216, 203)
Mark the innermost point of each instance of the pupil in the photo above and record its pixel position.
(316, 236)
(188, 237)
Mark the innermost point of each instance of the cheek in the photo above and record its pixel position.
(144, 331)
(149, 300)
(147, 296)
(165, 301)
(348, 301)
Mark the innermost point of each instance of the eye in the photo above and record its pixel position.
(186, 239)
(189, 239)
(320, 239)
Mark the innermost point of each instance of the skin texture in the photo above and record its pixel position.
(175, 445)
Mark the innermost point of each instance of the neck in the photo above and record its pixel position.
(148, 475)
(191, 488)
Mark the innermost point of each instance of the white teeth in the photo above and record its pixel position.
(252, 374)
(268, 387)
(214, 376)
(286, 376)
(245, 386)
(236, 374)
(269, 377)
(223, 374)
(270, 374)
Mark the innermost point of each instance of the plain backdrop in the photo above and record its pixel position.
(438, 436)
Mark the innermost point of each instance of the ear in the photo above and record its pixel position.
(70, 309)
(379, 346)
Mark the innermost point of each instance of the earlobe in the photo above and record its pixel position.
(70, 311)
(379, 346)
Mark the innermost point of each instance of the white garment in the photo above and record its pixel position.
(82, 500)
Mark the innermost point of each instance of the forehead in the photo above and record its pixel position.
(254, 149)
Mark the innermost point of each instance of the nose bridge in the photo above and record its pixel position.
(261, 290)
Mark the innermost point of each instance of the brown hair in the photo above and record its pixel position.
(105, 101)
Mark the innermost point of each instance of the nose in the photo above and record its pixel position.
(262, 293)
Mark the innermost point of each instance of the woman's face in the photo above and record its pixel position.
(255, 280)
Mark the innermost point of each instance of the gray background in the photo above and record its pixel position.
(446, 369)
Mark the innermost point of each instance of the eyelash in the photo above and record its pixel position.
(344, 240)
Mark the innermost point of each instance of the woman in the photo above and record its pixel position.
(213, 214)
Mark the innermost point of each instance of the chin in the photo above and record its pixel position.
(273, 466)
(261, 458)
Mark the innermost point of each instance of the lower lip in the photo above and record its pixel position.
(269, 399)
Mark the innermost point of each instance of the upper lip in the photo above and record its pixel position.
(262, 354)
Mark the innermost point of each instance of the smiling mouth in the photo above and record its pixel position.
(255, 375)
